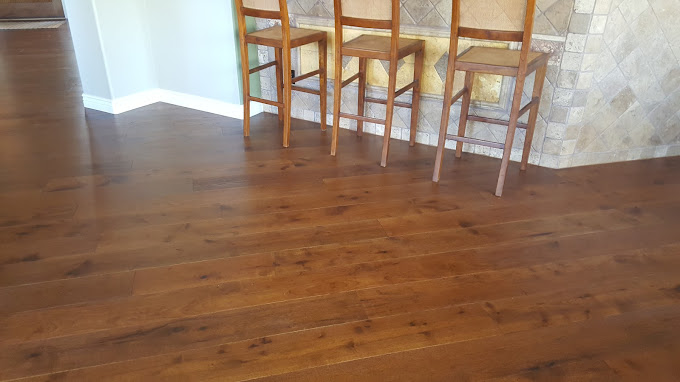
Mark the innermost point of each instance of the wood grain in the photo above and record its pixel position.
(160, 244)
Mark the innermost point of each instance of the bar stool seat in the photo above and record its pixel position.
(274, 37)
(378, 47)
(498, 61)
(283, 39)
(375, 14)
(517, 27)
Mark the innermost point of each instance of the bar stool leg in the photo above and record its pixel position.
(446, 112)
(533, 115)
(389, 113)
(287, 96)
(323, 77)
(279, 80)
(510, 138)
(415, 101)
(362, 94)
(337, 99)
(245, 68)
(465, 111)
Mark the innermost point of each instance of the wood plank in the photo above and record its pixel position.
(380, 336)
(138, 341)
(45, 295)
(537, 350)
(428, 294)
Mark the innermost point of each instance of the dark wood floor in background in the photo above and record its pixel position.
(161, 245)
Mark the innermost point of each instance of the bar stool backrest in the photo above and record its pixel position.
(268, 9)
(374, 14)
(498, 20)
(502, 15)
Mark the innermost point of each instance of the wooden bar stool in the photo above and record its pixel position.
(282, 38)
(517, 25)
(375, 14)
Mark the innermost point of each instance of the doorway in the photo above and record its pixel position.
(31, 9)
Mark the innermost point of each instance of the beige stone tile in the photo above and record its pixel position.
(584, 6)
(550, 161)
(580, 23)
(631, 9)
(595, 102)
(673, 150)
(603, 65)
(598, 24)
(602, 7)
(576, 115)
(585, 80)
(623, 100)
(559, 14)
(555, 131)
(568, 147)
(671, 82)
(594, 44)
(567, 79)
(616, 25)
(572, 132)
(571, 61)
(552, 146)
(613, 83)
(559, 114)
(575, 42)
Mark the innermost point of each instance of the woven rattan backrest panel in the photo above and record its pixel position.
(368, 9)
(505, 15)
(265, 5)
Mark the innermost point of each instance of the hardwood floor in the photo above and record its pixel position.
(162, 245)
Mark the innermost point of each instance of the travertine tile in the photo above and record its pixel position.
(567, 79)
(580, 23)
(584, 6)
(575, 42)
(631, 9)
(559, 15)
(585, 80)
(594, 44)
(598, 24)
(602, 7)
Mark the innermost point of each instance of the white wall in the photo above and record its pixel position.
(195, 47)
(177, 51)
(130, 66)
(89, 54)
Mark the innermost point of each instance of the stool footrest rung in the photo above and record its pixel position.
(263, 67)
(305, 76)
(305, 90)
(475, 141)
(384, 102)
(265, 101)
(495, 121)
(459, 95)
(534, 102)
(405, 88)
(350, 80)
(363, 119)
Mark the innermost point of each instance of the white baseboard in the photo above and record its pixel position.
(98, 103)
(135, 101)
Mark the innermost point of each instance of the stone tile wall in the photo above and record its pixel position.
(632, 64)
(612, 91)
